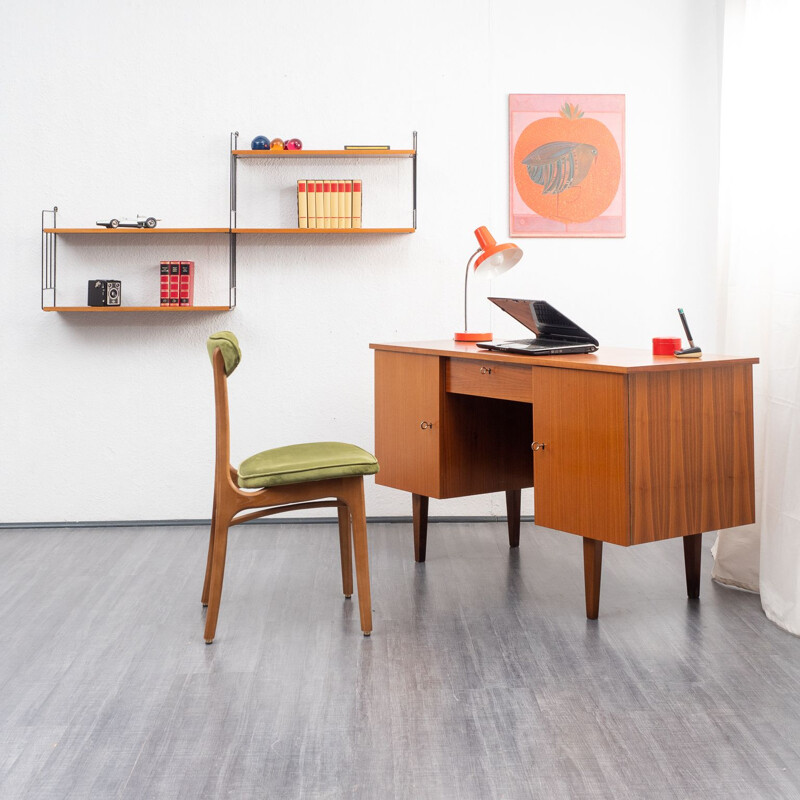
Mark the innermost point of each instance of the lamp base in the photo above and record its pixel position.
(463, 336)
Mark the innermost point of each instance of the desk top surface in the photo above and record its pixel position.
(605, 359)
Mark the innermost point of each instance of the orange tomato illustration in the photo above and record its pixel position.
(567, 168)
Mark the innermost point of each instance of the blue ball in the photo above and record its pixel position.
(260, 143)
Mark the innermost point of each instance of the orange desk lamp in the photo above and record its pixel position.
(492, 259)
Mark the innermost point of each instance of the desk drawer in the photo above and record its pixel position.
(488, 379)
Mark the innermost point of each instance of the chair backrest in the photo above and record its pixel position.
(225, 354)
(229, 345)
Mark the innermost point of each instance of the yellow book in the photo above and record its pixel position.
(348, 204)
(302, 205)
(341, 204)
(311, 202)
(356, 204)
(326, 203)
(320, 192)
(334, 203)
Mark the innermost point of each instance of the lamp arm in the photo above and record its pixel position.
(466, 278)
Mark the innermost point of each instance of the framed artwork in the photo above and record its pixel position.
(567, 164)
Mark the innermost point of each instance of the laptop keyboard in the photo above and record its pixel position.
(534, 344)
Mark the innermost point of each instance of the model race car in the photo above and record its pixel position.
(139, 222)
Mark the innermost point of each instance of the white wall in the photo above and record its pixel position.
(119, 108)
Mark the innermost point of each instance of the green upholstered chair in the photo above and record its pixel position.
(300, 476)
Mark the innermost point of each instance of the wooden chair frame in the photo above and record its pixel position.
(229, 500)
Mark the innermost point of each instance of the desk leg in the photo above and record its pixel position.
(692, 549)
(592, 563)
(420, 511)
(513, 507)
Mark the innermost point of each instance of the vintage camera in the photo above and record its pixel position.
(105, 293)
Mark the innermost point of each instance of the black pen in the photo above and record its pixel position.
(686, 327)
(692, 351)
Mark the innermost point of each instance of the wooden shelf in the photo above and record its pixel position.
(340, 231)
(121, 309)
(139, 231)
(61, 231)
(324, 153)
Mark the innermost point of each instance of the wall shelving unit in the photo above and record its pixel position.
(283, 155)
(51, 233)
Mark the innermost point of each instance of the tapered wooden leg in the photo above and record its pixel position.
(513, 510)
(419, 505)
(346, 549)
(592, 565)
(217, 574)
(207, 579)
(356, 503)
(692, 550)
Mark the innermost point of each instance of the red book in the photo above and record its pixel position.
(186, 292)
(165, 283)
(174, 282)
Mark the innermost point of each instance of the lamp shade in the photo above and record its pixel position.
(492, 259)
(495, 258)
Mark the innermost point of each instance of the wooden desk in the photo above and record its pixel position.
(626, 447)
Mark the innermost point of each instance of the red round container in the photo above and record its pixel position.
(666, 347)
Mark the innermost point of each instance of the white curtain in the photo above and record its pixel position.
(759, 249)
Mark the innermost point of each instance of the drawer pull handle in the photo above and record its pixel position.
(537, 445)
(426, 425)
(486, 370)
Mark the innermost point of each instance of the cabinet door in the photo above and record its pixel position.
(691, 451)
(408, 390)
(582, 481)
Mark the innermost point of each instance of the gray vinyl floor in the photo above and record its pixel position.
(483, 679)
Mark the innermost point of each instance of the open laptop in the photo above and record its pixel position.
(555, 334)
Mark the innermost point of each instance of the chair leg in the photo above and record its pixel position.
(207, 579)
(358, 514)
(221, 524)
(346, 549)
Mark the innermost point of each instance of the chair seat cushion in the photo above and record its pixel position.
(300, 463)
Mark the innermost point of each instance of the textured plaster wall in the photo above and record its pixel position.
(125, 108)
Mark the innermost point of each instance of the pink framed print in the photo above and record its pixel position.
(567, 165)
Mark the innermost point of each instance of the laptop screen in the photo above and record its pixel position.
(544, 320)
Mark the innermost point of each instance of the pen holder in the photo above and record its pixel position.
(666, 347)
